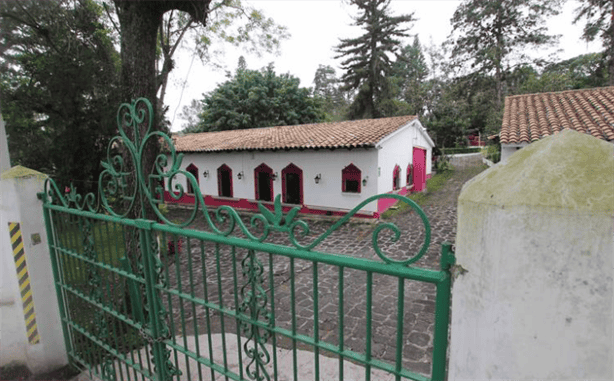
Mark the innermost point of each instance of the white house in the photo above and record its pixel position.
(326, 168)
(530, 117)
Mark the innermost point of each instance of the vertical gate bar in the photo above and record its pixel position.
(169, 298)
(124, 293)
(219, 290)
(252, 309)
(177, 244)
(237, 321)
(442, 314)
(158, 347)
(369, 316)
(206, 297)
(119, 292)
(341, 320)
(51, 242)
(194, 316)
(272, 288)
(400, 321)
(293, 312)
(316, 322)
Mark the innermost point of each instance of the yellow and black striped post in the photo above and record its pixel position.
(24, 282)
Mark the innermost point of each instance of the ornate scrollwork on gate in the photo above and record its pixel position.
(254, 306)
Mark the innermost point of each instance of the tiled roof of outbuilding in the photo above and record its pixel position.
(530, 117)
(347, 134)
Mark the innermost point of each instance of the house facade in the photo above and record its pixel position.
(530, 117)
(326, 168)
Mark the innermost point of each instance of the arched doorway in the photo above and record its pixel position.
(263, 178)
(194, 171)
(292, 184)
(396, 178)
(224, 181)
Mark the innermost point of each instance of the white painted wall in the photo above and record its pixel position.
(508, 150)
(397, 149)
(19, 203)
(535, 236)
(328, 163)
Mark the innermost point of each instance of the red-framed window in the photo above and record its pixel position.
(410, 175)
(224, 181)
(292, 184)
(396, 178)
(194, 171)
(263, 182)
(350, 179)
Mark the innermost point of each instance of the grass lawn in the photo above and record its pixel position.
(432, 185)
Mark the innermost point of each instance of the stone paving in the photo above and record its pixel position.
(224, 280)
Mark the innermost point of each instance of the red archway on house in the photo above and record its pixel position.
(410, 175)
(263, 182)
(350, 179)
(292, 184)
(224, 181)
(194, 171)
(396, 177)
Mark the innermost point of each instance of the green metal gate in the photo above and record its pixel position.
(141, 299)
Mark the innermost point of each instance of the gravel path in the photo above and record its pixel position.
(224, 279)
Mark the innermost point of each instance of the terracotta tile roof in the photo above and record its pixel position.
(530, 117)
(347, 134)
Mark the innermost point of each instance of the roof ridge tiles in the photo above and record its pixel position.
(529, 117)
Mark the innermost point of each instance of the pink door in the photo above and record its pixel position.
(419, 169)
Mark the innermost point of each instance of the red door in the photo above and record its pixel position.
(419, 169)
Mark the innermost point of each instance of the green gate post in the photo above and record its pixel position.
(156, 326)
(56, 273)
(442, 314)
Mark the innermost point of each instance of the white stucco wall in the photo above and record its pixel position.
(19, 203)
(536, 243)
(397, 149)
(328, 163)
(508, 150)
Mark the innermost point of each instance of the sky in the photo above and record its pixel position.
(315, 27)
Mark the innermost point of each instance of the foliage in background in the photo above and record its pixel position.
(58, 86)
(327, 87)
(366, 59)
(258, 98)
(599, 18)
(487, 34)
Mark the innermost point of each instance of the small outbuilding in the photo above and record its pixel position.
(325, 168)
(531, 117)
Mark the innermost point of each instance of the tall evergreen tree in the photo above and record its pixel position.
(412, 70)
(367, 58)
(487, 33)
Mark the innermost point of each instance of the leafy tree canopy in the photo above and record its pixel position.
(328, 87)
(599, 18)
(259, 98)
(58, 86)
(367, 59)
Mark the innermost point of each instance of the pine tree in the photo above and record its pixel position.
(411, 71)
(367, 58)
(487, 33)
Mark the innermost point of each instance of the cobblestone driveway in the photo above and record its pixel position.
(224, 281)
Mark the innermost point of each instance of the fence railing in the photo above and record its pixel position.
(239, 298)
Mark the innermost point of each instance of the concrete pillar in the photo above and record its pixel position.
(533, 297)
(41, 347)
